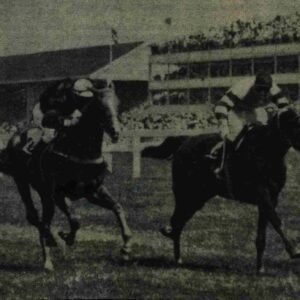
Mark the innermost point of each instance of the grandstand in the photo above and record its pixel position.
(202, 67)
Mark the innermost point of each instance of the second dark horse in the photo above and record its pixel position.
(255, 174)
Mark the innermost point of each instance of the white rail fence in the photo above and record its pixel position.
(135, 144)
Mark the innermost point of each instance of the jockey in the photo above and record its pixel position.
(53, 115)
(245, 104)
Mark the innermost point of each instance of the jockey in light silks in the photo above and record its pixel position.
(246, 103)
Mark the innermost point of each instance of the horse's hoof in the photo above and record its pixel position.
(125, 253)
(167, 232)
(63, 236)
(125, 257)
(126, 250)
(260, 271)
(127, 238)
(69, 239)
(48, 266)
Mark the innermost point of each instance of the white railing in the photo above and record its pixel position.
(216, 82)
(135, 145)
(226, 54)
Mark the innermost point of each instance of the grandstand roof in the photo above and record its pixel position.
(56, 65)
(133, 66)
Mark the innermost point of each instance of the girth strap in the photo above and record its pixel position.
(96, 161)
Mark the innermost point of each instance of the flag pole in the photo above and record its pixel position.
(168, 22)
(113, 40)
(110, 53)
(110, 58)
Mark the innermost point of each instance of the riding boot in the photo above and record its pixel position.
(218, 155)
(241, 136)
(214, 153)
(223, 155)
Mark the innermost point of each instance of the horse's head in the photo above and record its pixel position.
(109, 101)
(287, 122)
(85, 89)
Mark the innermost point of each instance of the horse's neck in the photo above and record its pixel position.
(90, 126)
(268, 142)
(280, 144)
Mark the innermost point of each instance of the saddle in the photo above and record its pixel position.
(221, 152)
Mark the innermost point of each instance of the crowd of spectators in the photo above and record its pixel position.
(142, 119)
(7, 130)
(282, 29)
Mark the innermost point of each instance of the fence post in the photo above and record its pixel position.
(108, 157)
(136, 157)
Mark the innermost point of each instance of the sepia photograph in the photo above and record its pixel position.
(149, 149)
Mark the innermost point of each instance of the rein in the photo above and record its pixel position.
(282, 134)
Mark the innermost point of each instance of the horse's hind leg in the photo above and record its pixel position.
(47, 239)
(103, 198)
(183, 212)
(261, 240)
(69, 238)
(31, 212)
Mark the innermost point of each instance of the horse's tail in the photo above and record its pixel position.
(166, 149)
(9, 156)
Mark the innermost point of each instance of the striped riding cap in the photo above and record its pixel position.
(83, 87)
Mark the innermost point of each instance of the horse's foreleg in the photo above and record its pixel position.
(31, 212)
(47, 239)
(182, 214)
(274, 219)
(261, 240)
(69, 238)
(103, 198)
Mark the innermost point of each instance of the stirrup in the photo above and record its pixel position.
(27, 149)
(211, 156)
(218, 173)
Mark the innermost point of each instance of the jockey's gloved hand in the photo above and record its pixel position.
(76, 114)
(73, 119)
(223, 128)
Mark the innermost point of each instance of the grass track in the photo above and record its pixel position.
(218, 249)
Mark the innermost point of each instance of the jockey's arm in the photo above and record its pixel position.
(278, 97)
(221, 112)
(54, 119)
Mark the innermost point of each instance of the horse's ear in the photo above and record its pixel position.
(61, 86)
(65, 84)
(68, 83)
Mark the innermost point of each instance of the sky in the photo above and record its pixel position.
(30, 26)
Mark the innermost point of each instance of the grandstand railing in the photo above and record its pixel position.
(209, 81)
(135, 144)
(287, 78)
(226, 54)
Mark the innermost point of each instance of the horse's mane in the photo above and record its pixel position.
(55, 89)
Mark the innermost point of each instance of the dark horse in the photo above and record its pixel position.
(255, 174)
(56, 170)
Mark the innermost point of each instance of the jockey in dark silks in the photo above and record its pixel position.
(248, 103)
(78, 123)
(65, 121)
